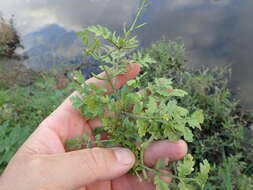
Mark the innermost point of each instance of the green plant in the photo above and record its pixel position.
(21, 111)
(3, 48)
(9, 38)
(11, 138)
(226, 130)
(170, 60)
(230, 175)
(138, 118)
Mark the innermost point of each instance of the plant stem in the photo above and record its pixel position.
(136, 19)
(142, 117)
(157, 172)
(143, 147)
(102, 141)
(109, 79)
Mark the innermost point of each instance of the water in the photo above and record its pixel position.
(216, 32)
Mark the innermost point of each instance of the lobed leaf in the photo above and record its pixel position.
(203, 174)
(186, 166)
(196, 119)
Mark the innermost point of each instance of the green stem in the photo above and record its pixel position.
(109, 79)
(143, 117)
(136, 19)
(157, 172)
(143, 147)
(102, 141)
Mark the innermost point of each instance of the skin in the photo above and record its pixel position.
(42, 163)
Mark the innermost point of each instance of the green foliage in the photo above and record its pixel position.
(169, 57)
(230, 176)
(226, 129)
(203, 174)
(11, 138)
(136, 119)
(3, 48)
(21, 111)
(186, 167)
(9, 38)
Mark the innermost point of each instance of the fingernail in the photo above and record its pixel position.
(124, 156)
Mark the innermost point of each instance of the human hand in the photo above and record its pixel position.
(42, 163)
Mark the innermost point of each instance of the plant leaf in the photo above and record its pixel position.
(196, 119)
(186, 166)
(203, 174)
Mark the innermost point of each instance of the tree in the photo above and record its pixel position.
(9, 38)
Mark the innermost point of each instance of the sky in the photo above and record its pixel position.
(32, 15)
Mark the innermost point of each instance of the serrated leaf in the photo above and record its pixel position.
(163, 82)
(184, 131)
(100, 31)
(143, 60)
(187, 133)
(186, 166)
(151, 106)
(131, 98)
(178, 93)
(77, 102)
(196, 119)
(203, 173)
(133, 83)
(142, 127)
(138, 107)
(78, 76)
(182, 111)
(170, 133)
(161, 86)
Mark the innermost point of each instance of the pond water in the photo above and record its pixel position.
(215, 32)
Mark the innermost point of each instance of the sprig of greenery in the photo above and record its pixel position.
(136, 119)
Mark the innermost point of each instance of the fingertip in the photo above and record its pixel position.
(182, 149)
(135, 68)
(124, 156)
(165, 149)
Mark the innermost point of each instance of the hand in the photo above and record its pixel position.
(42, 163)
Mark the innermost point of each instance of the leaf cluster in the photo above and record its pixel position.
(135, 119)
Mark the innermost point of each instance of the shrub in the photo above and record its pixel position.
(226, 132)
(9, 38)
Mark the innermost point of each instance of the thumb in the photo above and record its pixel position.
(78, 168)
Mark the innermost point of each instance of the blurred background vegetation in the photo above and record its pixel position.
(9, 39)
(27, 97)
